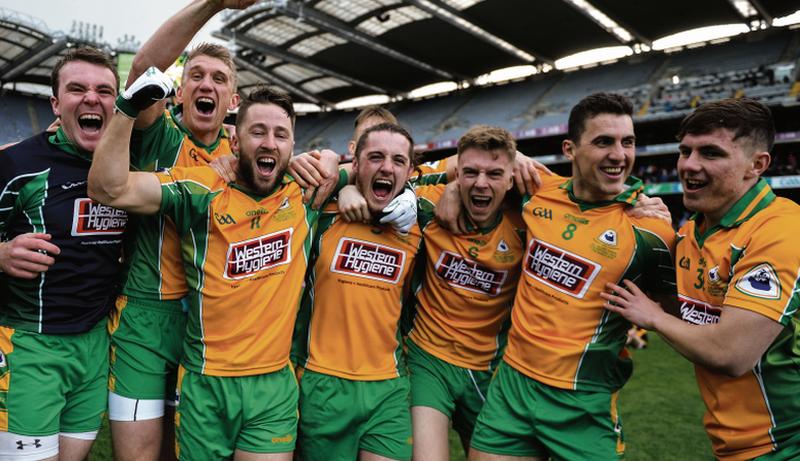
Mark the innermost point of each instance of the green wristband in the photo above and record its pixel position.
(123, 105)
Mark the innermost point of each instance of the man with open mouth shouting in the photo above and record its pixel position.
(59, 263)
(245, 250)
(354, 392)
(148, 322)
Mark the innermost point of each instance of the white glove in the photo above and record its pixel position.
(152, 86)
(402, 211)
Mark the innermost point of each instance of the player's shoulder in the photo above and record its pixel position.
(657, 226)
(777, 221)
(551, 183)
(432, 192)
(203, 176)
(29, 153)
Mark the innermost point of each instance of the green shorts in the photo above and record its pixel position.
(146, 341)
(339, 417)
(457, 392)
(786, 452)
(523, 417)
(216, 415)
(52, 383)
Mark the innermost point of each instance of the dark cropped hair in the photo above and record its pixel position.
(391, 128)
(85, 54)
(265, 95)
(745, 117)
(592, 106)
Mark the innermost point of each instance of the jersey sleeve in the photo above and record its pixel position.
(8, 193)
(430, 172)
(655, 246)
(156, 146)
(427, 198)
(186, 194)
(766, 273)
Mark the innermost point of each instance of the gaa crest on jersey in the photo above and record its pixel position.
(609, 237)
(697, 312)
(249, 257)
(469, 275)
(564, 271)
(94, 218)
(717, 285)
(760, 282)
(605, 244)
(502, 247)
(368, 260)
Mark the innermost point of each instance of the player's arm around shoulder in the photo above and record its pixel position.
(110, 180)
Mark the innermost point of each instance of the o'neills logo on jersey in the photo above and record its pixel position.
(249, 257)
(93, 218)
(469, 275)
(368, 260)
(698, 312)
(560, 269)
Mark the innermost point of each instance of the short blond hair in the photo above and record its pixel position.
(215, 51)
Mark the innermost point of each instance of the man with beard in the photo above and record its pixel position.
(147, 325)
(244, 248)
(738, 276)
(59, 262)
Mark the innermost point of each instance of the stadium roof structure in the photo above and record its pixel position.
(328, 51)
(29, 49)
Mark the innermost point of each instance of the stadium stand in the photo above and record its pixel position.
(23, 116)
(747, 67)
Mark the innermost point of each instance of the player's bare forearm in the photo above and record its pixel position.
(731, 346)
(172, 37)
(110, 180)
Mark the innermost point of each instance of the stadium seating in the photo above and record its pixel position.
(744, 66)
(23, 116)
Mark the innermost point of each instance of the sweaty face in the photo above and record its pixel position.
(483, 179)
(85, 102)
(603, 159)
(382, 168)
(715, 171)
(207, 94)
(264, 141)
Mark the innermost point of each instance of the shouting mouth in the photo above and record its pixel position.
(205, 105)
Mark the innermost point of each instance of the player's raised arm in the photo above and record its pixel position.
(110, 181)
(169, 41)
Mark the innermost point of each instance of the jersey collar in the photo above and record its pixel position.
(61, 141)
(285, 180)
(176, 114)
(754, 200)
(633, 187)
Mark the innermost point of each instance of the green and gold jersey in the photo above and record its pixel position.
(561, 335)
(152, 247)
(245, 258)
(749, 261)
(349, 324)
(464, 298)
